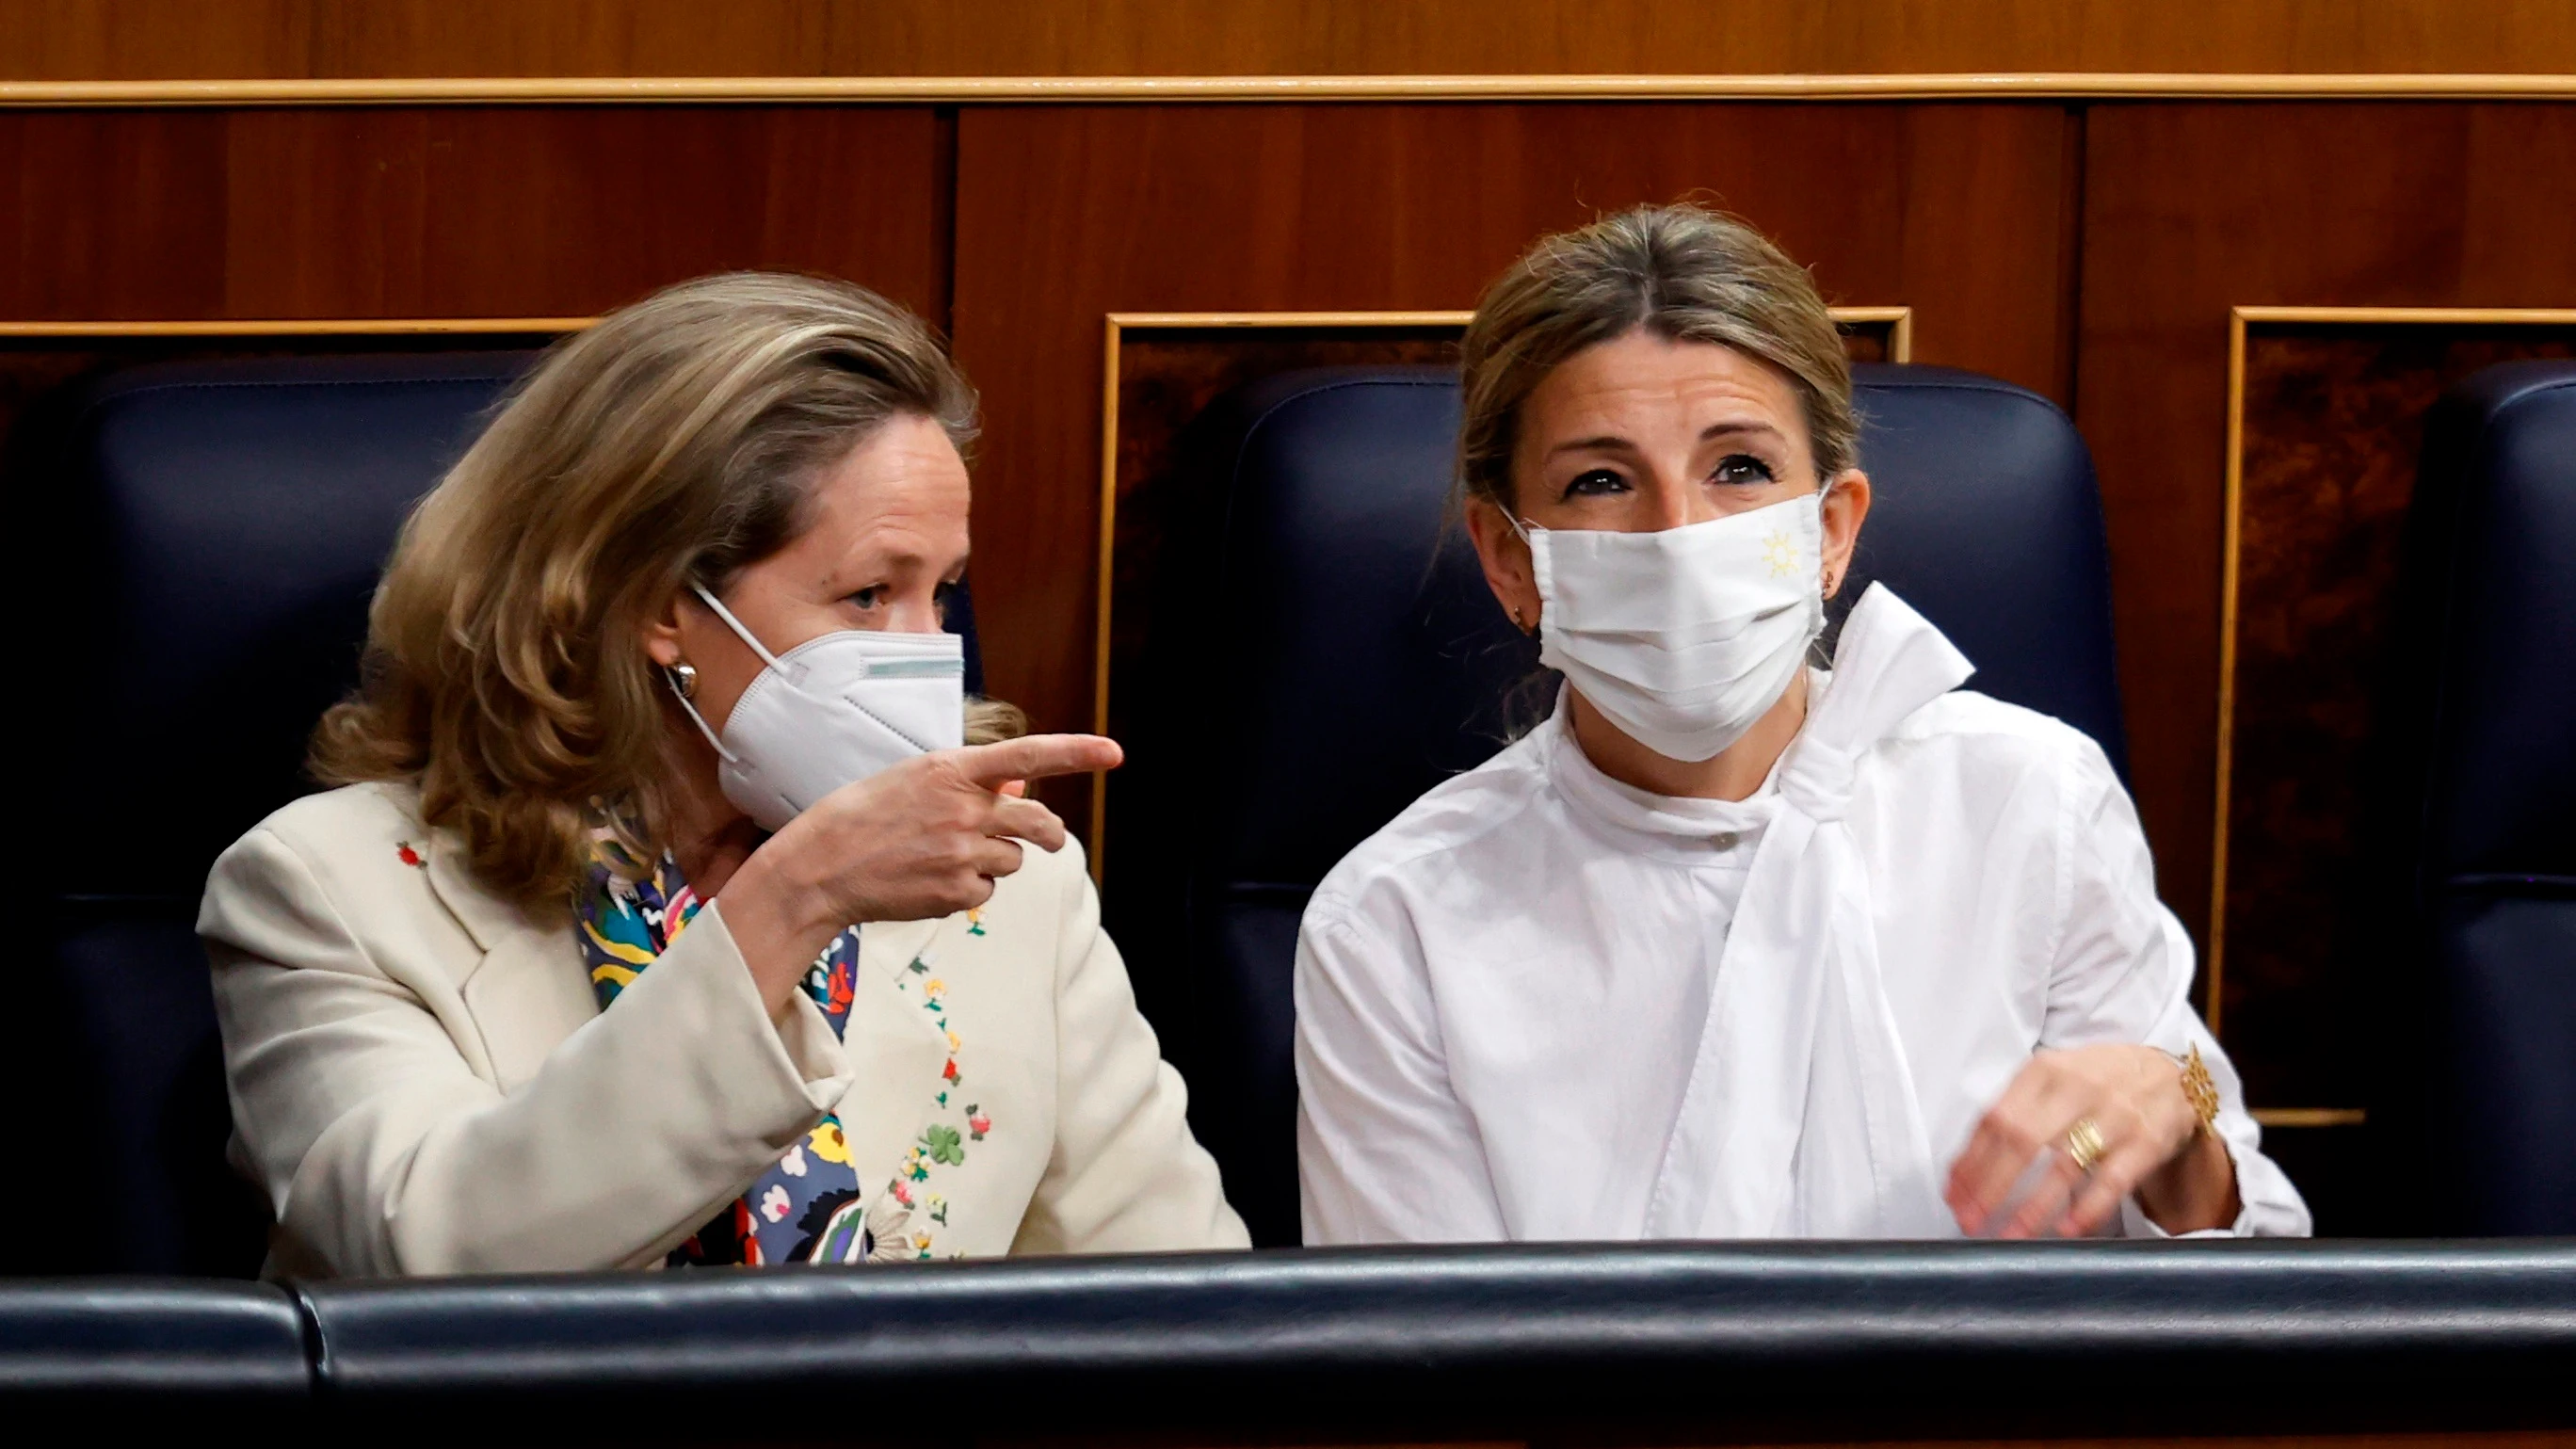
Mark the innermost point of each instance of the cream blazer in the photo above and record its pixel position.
(423, 1081)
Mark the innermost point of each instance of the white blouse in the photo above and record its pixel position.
(1543, 1005)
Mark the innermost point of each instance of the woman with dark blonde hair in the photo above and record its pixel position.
(674, 906)
(1731, 946)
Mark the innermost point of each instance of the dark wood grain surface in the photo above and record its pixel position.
(2194, 209)
(122, 38)
(471, 211)
(2333, 429)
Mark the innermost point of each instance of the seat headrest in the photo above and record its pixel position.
(1318, 611)
(2497, 500)
(218, 531)
(215, 532)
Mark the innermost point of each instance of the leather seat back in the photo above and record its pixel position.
(1322, 650)
(215, 532)
(2484, 821)
(218, 529)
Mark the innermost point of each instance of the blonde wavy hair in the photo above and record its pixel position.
(1679, 272)
(672, 444)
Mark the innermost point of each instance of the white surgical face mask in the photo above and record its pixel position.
(832, 710)
(1684, 638)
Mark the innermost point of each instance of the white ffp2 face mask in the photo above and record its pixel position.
(1684, 638)
(832, 710)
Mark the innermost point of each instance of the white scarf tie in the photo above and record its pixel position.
(1800, 1117)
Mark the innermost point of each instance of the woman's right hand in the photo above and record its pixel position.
(923, 839)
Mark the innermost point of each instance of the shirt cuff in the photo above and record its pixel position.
(2134, 1222)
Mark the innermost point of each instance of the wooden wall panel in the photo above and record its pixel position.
(1065, 215)
(456, 211)
(2193, 209)
(118, 39)
(110, 218)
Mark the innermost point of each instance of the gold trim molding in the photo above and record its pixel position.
(1000, 90)
(1900, 348)
(2311, 1116)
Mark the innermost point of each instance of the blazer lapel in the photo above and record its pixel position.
(896, 1051)
(485, 916)
(528, 992)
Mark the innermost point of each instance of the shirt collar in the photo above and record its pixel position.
(1667, 827)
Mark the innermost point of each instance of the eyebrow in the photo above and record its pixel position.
(1611, 443)
(1603, 444)
(1720, 430)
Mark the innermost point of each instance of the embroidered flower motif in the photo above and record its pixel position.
(1781, 554)
(410, 855)
(828, 1143)
(773, 1203)
(942, 1143)
(975, 921)
(885, 1240)
(793, 1164)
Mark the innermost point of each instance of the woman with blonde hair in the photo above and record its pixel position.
(674, 907)
(1730, 946)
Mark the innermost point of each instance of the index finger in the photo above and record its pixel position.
(1033, 757)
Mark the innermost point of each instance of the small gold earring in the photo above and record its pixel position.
(684, 680)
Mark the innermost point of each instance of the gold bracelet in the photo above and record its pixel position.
(2197, 1086)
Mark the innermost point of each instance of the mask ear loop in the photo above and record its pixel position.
(728, 756)
(735, 625)
(698, 719)
(1524, 531)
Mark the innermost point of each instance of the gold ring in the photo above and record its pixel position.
(2084, 1143)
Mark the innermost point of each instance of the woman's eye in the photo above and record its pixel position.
(869, 597)
(1595, 484)
(1743, 468)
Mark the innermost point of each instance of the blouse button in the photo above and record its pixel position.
(1726, 840)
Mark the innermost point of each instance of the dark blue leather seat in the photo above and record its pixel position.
(213, 534)
(144, 1351)
(216, 530)
(1616, 1343)
(2484, 824)
(1320, 654)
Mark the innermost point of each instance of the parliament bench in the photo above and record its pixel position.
(1667, 1343)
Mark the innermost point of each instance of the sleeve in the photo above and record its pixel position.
(2122, 973)
(1125, 1175)
(382, 1150)
(1385, 1151)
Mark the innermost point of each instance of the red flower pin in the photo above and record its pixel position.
(408, 856)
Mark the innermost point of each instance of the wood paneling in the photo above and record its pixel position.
(2333, 428)
(1064, 216)
(118, 39)
(2193, 209)
(463, 211)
